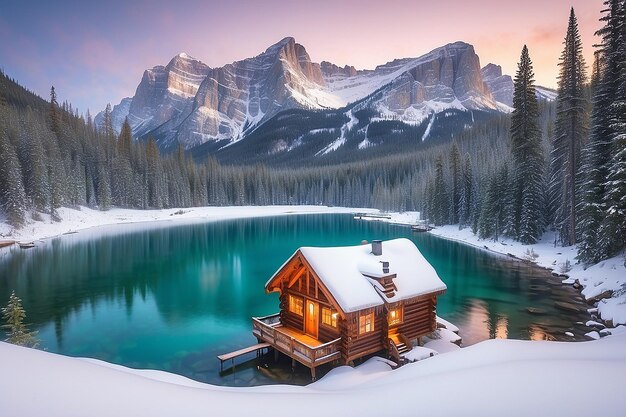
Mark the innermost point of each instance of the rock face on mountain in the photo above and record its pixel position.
(248, 91)
(330, 70)
(165, 93)
(188, 103)
(449, 75)
(501, 86)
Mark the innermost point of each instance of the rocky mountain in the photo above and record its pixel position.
(188, 103)
(501, 86)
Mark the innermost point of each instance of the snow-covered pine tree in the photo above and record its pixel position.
(494, 206)
(467, 192)
(613, 227)
(441, 205)
(54, 119)
(570, 133)
(17, 332)
(528, 180)
(12, 195)
(455, 183)
(594, 245)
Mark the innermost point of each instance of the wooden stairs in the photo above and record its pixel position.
(398, 346)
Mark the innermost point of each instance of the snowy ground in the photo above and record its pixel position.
(604, 282)
(492, 378)
(74, 220)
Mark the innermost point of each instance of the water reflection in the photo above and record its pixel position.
(172, 297)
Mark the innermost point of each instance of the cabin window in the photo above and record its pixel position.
(296, 305)
(366, 323)
(329, 317)
(395, 316)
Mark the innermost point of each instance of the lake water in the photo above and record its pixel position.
(173, 297)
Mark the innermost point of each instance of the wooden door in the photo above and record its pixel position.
(312, 318)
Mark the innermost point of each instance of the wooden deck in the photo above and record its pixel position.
(298, 346)
(304, 338)
(4, 243)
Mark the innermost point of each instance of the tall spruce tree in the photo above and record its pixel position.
(570, 133)
(467, 192)
(595, 233)
(528, 189)
(53, 111)
(455, 183)
(12, 195)
(613, 227)
(440, 202)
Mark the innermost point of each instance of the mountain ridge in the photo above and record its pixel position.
(188, 103)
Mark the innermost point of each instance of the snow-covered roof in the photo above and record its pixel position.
(346, 272)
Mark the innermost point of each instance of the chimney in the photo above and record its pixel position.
(377, 247)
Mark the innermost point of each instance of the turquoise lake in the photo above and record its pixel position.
(172, 297)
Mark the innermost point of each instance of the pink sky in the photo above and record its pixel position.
(96, 53)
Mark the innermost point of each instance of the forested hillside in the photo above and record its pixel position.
(547, 165)
(565, 168)
(54, 158)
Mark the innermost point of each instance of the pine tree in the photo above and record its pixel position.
(455, 191)
(528, 182)
(107, 122)
(12, 195)
(53, 112)
(467, 192)
(494, 206)
(17, 332)
(596, 235)
(613, 227)
(441, 206)
(569, 136)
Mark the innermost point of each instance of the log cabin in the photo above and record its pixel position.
(339, 304)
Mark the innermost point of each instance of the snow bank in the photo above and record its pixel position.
(491, 378)
(84, 218)
(603, 279)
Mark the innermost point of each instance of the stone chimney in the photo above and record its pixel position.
(377, 247)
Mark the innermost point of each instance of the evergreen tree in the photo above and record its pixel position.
(440, 209)
(53, 112)
(17, 332)
(613, 227)
(597, 236)
(569, 136)
(467, 192)
(494, 206)
(12, 195)
(528, 181)
(107, 122)
(455, 191)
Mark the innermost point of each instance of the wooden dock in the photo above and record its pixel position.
(4, 243)
(232, 355)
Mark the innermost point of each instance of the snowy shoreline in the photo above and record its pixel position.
(603, 283)
(74, 220)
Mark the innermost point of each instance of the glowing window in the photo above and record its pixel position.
(395, 316)
(329, 317)
(366, 323)
(296, 305)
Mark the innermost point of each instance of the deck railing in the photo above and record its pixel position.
(268, 329)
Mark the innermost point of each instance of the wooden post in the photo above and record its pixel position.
(313, 373)
(275, 355)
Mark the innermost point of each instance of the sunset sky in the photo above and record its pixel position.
(95, 52)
